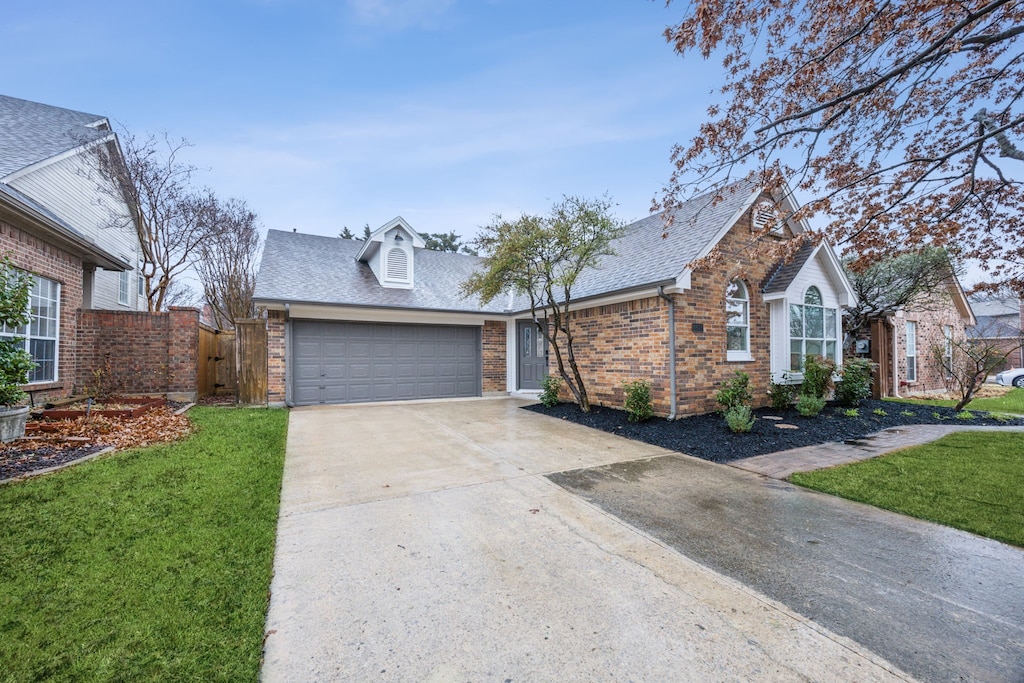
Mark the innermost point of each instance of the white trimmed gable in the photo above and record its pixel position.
(390, 251)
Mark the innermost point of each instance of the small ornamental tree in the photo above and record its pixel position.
(967, 363)
(15, 361)
(542, 257)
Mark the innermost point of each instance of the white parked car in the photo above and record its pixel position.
(1014, 377)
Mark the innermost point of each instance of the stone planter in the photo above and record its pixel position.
(12, 422)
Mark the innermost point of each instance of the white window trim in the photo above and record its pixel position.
(742, 355)
(123, 287)
(27, 335)
(911, 326)
(824, 340)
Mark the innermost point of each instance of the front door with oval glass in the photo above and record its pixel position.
(533, 354)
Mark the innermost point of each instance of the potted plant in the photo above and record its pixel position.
(15, 361)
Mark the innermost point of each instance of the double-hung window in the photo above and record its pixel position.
(123, 287)
(947, 350)
(737, 321)
(41, 334)
(911, 352)
(812, 330)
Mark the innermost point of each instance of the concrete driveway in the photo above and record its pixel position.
(421, 542)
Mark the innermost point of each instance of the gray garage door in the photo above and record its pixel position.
(353, 362)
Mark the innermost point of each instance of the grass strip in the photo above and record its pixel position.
(1010, 402)
(969, 480)
(147, 565)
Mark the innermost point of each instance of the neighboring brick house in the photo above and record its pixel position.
(999, 323)
(57, 222)
(920, 338)
(382, 319)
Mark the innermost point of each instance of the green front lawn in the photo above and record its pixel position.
(147, 565)
(1010, 402)
(970, 480)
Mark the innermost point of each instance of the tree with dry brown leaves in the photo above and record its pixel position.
(899, 119)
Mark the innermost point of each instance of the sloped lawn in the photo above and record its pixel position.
(147, 565)
(971, 481)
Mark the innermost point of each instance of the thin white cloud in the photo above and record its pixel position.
(399, 14)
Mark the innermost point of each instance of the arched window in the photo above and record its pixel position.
(737, 321)
(812, 330)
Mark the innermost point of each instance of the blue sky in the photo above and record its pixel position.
(329, 114)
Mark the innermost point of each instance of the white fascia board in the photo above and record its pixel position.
(582, 305)
(684, 276)
(789, 204)
(376, 237)
(830, 261)
(837, 277)
(58, 157)
(384, 315)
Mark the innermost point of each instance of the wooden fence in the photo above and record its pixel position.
(251, 361)
(217, 372)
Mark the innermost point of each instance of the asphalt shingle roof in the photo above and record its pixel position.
(31, 132)
(313, 269)
(786, 272)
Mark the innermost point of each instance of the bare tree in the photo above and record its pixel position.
(227, 261)
(542, 257)
(169, 212)
(899, 119)
(969, 361)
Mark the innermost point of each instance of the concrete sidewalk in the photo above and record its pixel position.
(423, 543)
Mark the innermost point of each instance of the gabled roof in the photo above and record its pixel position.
(372, 243)
(778, 282)
(298, 268)
(645, 255)
(36, 218)
(301, 268)
(31, 132)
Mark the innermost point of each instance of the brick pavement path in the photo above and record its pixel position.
(784, 463)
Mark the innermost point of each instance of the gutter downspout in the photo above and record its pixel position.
(671, 349)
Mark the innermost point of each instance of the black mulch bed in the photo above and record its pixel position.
(708, 437)
(14, 463)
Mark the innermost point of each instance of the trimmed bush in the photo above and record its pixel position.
(818, 372)
(739, 419)
(809, 406)
(780, 395)
(855, 385)
(549, 390)
(735, 392)
(638, 404)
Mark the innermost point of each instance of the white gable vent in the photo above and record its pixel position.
(396, 266)
(766, 216)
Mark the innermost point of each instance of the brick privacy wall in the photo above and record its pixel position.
(493, 337)
(142, 353)
(276, 365)
(34, 255)
(629, 341)
(930, 313)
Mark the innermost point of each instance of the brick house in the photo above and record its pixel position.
(58, 222)
(905, 345)
(382, 319)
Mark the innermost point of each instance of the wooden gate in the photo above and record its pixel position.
(216, 362)
(251, 361)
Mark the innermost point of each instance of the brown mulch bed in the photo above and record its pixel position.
(74, 439)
